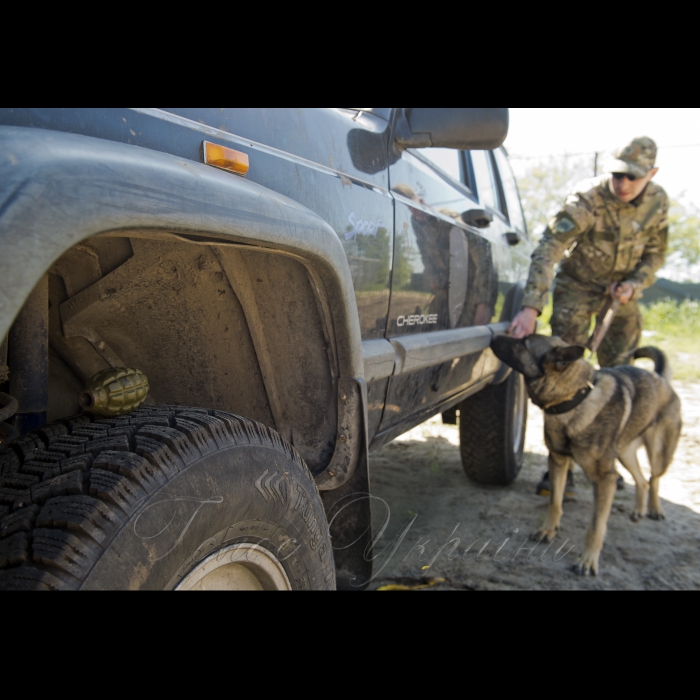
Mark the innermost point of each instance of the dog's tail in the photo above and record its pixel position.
(661, 365)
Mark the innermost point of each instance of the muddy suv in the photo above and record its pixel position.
(210, 317)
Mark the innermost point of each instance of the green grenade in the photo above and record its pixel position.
(115, 391)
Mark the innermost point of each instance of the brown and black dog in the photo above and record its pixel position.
(595, 417)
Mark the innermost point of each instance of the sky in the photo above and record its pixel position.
(544, 131)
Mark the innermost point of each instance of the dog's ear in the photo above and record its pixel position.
(516, 355)
(560, 358)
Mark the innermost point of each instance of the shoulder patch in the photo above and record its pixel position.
(565, 225)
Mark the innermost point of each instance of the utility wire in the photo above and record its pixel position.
(552, 156)
(591, 153)
(688, 145)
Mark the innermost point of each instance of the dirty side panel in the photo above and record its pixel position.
(333, 161)
(298, 350)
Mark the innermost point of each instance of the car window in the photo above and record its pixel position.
(486, 187)
(510, 190)
(447, 159)
(426, 185)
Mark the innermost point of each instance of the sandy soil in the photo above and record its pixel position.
(442, 526)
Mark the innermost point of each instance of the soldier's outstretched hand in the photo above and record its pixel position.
(524, 324)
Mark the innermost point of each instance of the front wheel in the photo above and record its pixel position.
(163, 498)
(492, 432)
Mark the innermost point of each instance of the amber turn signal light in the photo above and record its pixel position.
(225, 158)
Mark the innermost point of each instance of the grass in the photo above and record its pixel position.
(670, 326)
(676, 331)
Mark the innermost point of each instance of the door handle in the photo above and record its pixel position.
(480, 218)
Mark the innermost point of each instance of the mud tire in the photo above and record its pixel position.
(137, 502)
(492, 432)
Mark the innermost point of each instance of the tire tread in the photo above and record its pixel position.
(66, 489)
(483, 436)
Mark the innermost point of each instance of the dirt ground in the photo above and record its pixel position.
(442, 526)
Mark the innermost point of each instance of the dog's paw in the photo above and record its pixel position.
(657, 513)
(587, 566)
(637, 515)
(543, 535)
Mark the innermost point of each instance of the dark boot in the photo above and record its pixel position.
(544, 488)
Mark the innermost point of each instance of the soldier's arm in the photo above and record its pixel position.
(561, 236)
(654, 255)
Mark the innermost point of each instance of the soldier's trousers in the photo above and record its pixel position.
(574, 309)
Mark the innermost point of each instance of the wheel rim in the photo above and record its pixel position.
(238, 567)
(518, 413)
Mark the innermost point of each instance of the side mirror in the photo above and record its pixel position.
(464, 128)
(479, 218)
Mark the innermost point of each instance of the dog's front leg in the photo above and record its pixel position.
(604, 488)
(558, 469)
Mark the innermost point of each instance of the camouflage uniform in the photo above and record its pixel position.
(600, 240)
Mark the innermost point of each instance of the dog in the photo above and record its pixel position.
(595, 417)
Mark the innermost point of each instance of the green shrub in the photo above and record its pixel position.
(669, 319)
(676, 331)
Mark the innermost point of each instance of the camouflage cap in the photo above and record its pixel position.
(637, 158)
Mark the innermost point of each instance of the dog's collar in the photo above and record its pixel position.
(567, 406)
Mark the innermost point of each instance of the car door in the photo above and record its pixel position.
(444, 283)
(497, 192)
(512, 210)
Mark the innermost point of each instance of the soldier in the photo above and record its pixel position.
(610, 238)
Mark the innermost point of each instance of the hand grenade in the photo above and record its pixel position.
(115, 391)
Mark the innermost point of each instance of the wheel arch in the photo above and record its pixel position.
(59, 190)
